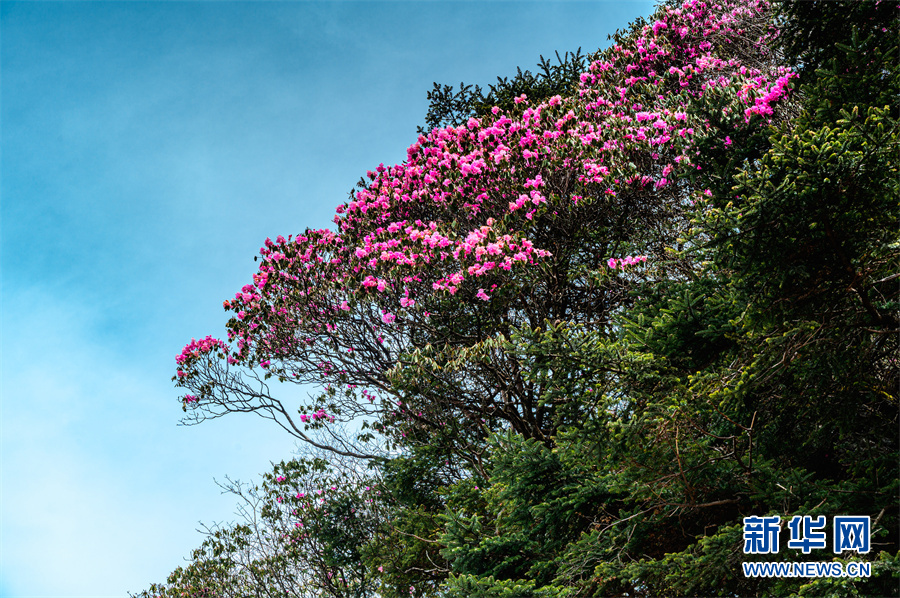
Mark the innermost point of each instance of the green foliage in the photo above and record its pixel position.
(816, 33)
(449, 106)
(470, 586)
(815, 216)
(404, 552)
(300, 535)
(752, 371)
(534, 506)
(765, 382)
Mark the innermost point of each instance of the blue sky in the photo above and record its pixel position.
(148, 149)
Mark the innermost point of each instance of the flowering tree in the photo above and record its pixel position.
(299, 535)
(546, 212)
(587, 333)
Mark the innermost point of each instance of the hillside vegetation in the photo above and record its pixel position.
(599, 316)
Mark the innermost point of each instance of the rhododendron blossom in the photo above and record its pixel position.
(506, 213)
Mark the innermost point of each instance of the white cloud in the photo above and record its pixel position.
(100, 488)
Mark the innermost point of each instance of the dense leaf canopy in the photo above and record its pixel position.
(591, 323)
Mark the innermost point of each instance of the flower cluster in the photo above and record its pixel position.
(626, 261)
(762, 104)
(318, 415)
(195, 349)
(498, 203)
